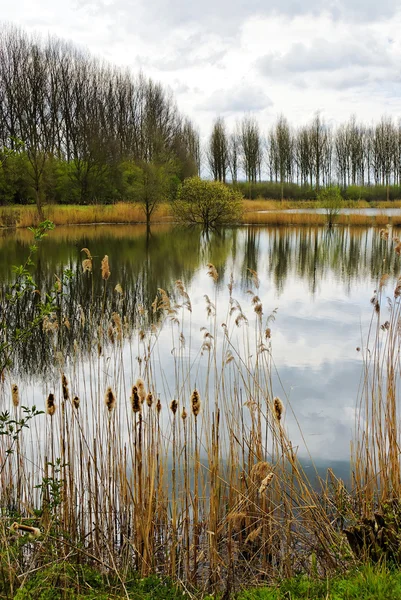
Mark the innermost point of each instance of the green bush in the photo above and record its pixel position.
(207, 203)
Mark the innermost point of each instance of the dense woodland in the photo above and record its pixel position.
(76, 130)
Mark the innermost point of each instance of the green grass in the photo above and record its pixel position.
(368, 583)
(75, 582)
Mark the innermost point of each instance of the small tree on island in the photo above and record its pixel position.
(332, 202)
(207, 203)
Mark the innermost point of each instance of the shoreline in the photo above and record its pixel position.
(256, 212)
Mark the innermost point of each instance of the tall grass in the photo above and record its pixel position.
(181, 463)
(257, 211)
(190, 473)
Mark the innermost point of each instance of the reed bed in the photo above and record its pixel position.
(178, 465)
(120, 212)
(128, 212)
(181, 464)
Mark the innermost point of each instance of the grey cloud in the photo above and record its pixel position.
(242, 98)
(224, 17)
(325, 56)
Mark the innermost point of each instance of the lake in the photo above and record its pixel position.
(320, 281)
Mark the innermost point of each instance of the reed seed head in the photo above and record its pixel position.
(110, 399)
(34, 531)
(105, 268)
(278, 408)
(255, 533)
(135, 399)
(212, 272)
(50, 405)
(195, 403)
(15, 394)
(265, 483)
(76, 402)
(174, 406)
(260, 471)
(118, 289)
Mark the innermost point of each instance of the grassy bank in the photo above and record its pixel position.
(259, 211)
(76, 582)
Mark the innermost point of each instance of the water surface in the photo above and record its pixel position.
(320, 281)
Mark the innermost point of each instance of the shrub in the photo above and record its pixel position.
(207, 203)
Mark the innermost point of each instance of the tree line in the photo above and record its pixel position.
(312, 156)
(73, 129)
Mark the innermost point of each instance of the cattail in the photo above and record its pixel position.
(140, 385)
(50, 405)
(110, 333)
(110, 399)
(149, 399)
(105, 268)
(34, 531)
(118, 325)
(15, 394)
(64, 382)
(265, 483)
(174, 406)
(184, 414)
(135, 399)
(195, 403)
(158, 406)
(76, 402)
(278, 408)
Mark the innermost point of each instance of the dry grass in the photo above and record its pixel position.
(25, 216)
(183, 485)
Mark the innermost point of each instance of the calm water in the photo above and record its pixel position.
(320, 281)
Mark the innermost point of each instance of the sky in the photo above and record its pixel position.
(234, 57)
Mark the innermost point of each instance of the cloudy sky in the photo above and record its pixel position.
(230, 57)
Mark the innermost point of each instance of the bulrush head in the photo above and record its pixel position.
(278, 408)
(195, 403)
(64, 383)
(110, 399)
(76, 402)
(158, 406)
(174, 406)
(15, 394)
(141, 390)
(149, 399)
(184, 414)
(50, 405)
(135, 399)
(105, 268)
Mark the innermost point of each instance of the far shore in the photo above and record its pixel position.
(256, 212)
